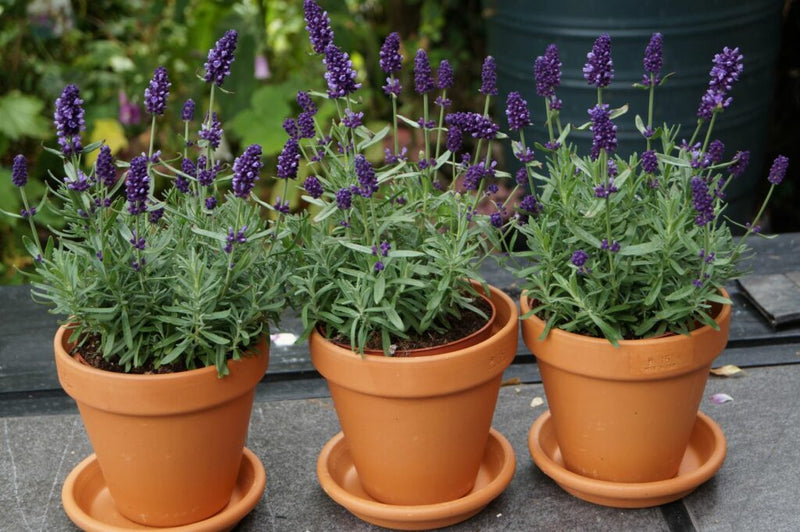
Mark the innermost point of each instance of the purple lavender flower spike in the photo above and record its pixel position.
(716, 150)
(211, 203)
(392, 87)
(69, 120)
(366, 176)
(778, 170)
(526, 156)
(155, 95)
(649, 162)
(155, 215)
(521, 177)
(612, 169)
(19, 171)
(385, 248)
(740, 162)
(206, 175)
(444, 76)
(489, 77)
(80, 184)
(579, 259)
(604, 132)
(547, 72)
(599, 68)
(606, 189)
(289, 160)
(137, 241)
(290, 127)
(343, 198)
(517, 112)
(473, 124)
(340, 75)
(305, 125)
(379, 266)
(318, 26)
(454, 140)
(351, 119)
(390, 59)
(187, 167)
(282, 206)
(245, 171)
(306, 103)
(212, 133)
(137, 185)
(313, 187)
(423, 80)
(104, 170)
(725, 72)
(187, 113)
(220, 57)
(473, 176)
(653, 59)
(496, 219)
(703, 202)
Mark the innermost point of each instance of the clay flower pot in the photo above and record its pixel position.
(624, 414)
(170, 445)
(417, 427)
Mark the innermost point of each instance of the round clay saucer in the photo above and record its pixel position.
(89, 505)
(702, 459)
(338, 477)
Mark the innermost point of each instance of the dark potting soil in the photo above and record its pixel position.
(91, 353)
(457, 328)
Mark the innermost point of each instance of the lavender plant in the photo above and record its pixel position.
(392, 245)
(637, 247)
(187, 278)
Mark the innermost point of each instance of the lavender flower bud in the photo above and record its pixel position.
(649, 162)
(653, 59)
(392, 87)
(604, 190)
(473, 176)
(187, 115)
(281, 206)
(521, 177)
(604, 132)
(313, 187)
(340, 75)
(211, 203)
(80, 183)
(188, 168)
(517, 112)
(473, 124)
(155, 215)
(579, 259)
(444, 77)
(289, 160)
(137, 185)
(379, 266)
(351, 119)
(220, 57)
(547, 71)
(245, 171)
(212, 133)
(343, 198)
(318, 26)
(740, 162)
(489, 77)
(703, 202)
(390, 59)
(366, 176)
(155, 95)
(19, 171)
(290, 127)
(453, 142)
(778, 170)
(305, 125)
(104, 170)
(69, 120)
(599, 68)
(423, 81)
(306, 103)
(206, 174)
(716, 151)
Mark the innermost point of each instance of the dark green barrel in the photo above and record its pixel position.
(694, 30)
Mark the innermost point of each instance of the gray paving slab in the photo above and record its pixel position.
(755, 489)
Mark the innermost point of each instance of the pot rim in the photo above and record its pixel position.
(721, 318)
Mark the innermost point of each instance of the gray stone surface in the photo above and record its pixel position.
(756, 488)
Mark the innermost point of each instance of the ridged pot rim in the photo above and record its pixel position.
(157, 394)
(415, 376)
(593, 356)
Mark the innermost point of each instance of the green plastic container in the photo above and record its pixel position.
(694, 31)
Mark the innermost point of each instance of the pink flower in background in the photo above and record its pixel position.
(261, 67)
(129, 113)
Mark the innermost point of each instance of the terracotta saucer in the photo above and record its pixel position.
(89, 505)
(338, 477)
(702, 460)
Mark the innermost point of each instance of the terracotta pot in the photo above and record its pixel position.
(417, 427)
(624, 414)
(170, 445)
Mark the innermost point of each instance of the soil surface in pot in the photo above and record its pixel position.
(91, 354)
(468, 323)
